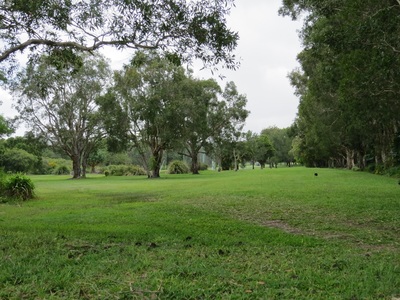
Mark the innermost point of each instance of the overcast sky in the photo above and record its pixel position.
(268, 47)
(267, 51)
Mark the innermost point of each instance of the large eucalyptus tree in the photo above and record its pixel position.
(145, 107)
(60, 103)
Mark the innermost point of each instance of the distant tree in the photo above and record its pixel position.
(203, 113)
(223, 144)
(144, 108)
(251, 147)
(265, 151)
(60, 104)
(281, 142)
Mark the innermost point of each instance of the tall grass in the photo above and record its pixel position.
(253, 234)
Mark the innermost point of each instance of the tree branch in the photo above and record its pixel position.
(70, 44)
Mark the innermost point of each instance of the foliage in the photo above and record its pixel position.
(225, 147)
(69, 120)
(17, 160)
(19, 187)
(4, 126)
(54, 165)
(202, 110)
(281, 142)
(2, 182)
(264, 150)
(187, 30)
(33, 144)
(203, 166)
(178, 167)
(62, 170)
(143, 103)
(348, 82)
(124, 170)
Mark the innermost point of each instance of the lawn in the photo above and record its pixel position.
(253, 234)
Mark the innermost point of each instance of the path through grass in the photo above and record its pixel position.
(253, 234)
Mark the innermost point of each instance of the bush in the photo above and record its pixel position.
(3, 179)
(19, 187)
(178, 167)
(124, 170)
(54, 165)
(61, 170)
(18, 160)
(203, 167)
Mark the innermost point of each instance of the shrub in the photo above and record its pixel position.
(61, 170)
(3, 179)
(19, 187)
(18, 160)
(52, 165)
(203, 167)
(178, 167)
(124, 170)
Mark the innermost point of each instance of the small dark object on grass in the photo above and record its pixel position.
(153, 245)
(315, 174)
(188, 238)
(399, 182)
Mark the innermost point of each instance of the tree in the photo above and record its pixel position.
(251, 147)
(186, 29)
(349, 81)
(281, 142)
(264, 150)
(229, 125)
(202, 113)
(144, 107)
(60, 103)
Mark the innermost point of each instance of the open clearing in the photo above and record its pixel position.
(254, 234)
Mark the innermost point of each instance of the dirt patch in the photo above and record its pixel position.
(283, 226)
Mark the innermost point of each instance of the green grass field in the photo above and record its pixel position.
(254, 234)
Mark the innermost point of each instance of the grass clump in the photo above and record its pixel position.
(19, 187)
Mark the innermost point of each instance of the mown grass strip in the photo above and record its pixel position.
(262, 234)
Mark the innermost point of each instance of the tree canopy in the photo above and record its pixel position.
(186, 30)
(60, 103)
(348, 82)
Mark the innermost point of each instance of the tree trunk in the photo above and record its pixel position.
(195, 164)
(76, 166)
(156, 164)
(235, 160)
(349, 159)
(84, 165)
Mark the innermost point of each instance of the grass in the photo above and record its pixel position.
(253, 234)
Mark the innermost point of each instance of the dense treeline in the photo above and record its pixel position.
(348, 83)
